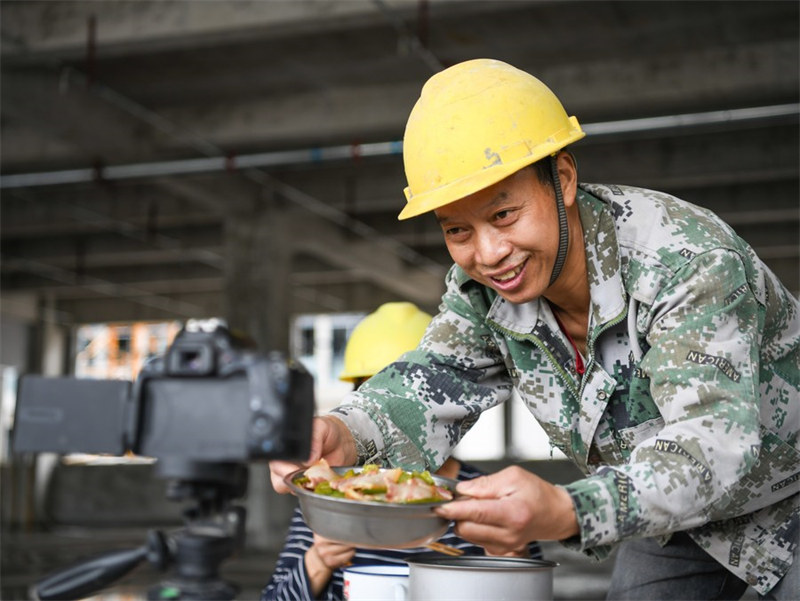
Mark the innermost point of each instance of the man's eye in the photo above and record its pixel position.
(453, 231)
(504, 214)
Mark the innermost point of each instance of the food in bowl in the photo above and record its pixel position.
(372, 483)
(368, 523)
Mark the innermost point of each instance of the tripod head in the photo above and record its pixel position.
(213, 531)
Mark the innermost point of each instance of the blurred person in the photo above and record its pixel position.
(309, 565)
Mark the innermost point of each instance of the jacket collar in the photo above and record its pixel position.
(608, 298)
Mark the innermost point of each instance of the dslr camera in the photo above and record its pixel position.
(210, 398)
(203, 410)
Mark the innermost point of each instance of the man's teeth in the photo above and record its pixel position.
(508, 275)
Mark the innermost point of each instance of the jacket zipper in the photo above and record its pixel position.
(590, 343)
(544, 349)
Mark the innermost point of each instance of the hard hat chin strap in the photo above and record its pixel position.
(563, 230)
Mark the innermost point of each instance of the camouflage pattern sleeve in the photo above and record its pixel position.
(413, 412)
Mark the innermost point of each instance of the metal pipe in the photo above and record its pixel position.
(692, 120)
(333, 153)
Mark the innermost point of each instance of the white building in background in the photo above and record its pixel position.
(117, 351)
(318, 341)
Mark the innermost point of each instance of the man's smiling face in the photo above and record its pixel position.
(505, 236)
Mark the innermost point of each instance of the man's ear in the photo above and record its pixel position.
(568, 174)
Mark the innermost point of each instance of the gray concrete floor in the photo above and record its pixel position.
(27, 557)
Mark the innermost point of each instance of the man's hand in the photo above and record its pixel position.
(331, 554)
(322, 558)
(330, 439)
(510, 508)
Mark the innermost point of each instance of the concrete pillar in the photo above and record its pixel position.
(258, 244)
(53, 340)
(258, 247)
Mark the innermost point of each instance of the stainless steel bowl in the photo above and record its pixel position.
(370, 524)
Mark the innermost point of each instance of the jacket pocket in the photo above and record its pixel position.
(632, 437)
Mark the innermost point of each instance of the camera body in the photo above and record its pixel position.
(211, 398)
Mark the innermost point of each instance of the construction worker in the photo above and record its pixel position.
(310, 566)
(654, 347)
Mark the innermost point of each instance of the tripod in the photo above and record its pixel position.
(214, 530)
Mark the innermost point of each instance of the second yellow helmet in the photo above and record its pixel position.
(381, 337)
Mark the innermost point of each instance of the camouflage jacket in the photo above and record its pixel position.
(687, 415)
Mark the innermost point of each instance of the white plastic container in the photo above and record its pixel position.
(375, 583)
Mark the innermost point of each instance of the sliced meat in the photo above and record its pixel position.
(320, 472)
(414, 489)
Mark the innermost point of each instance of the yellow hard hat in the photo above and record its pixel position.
(474, 124)
(381, 337)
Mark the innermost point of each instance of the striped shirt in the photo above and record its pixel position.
(290, 582)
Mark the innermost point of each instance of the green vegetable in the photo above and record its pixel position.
(425, 477)
(425, 500)
(325, 488)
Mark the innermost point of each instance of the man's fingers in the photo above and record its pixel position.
(492, 486)
(277, 471)
(478, 488)
(484, 511)
(330, 439)
(485, 522)
(495, 540)
(319, 431)
(280, 469)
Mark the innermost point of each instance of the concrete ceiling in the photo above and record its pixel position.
(139, 139)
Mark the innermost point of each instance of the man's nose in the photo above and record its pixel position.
(491, 247)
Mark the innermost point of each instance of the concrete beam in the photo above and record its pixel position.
(60, 29)
(122, 308)
(707, 77)
(75, 115)
(371, 261)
